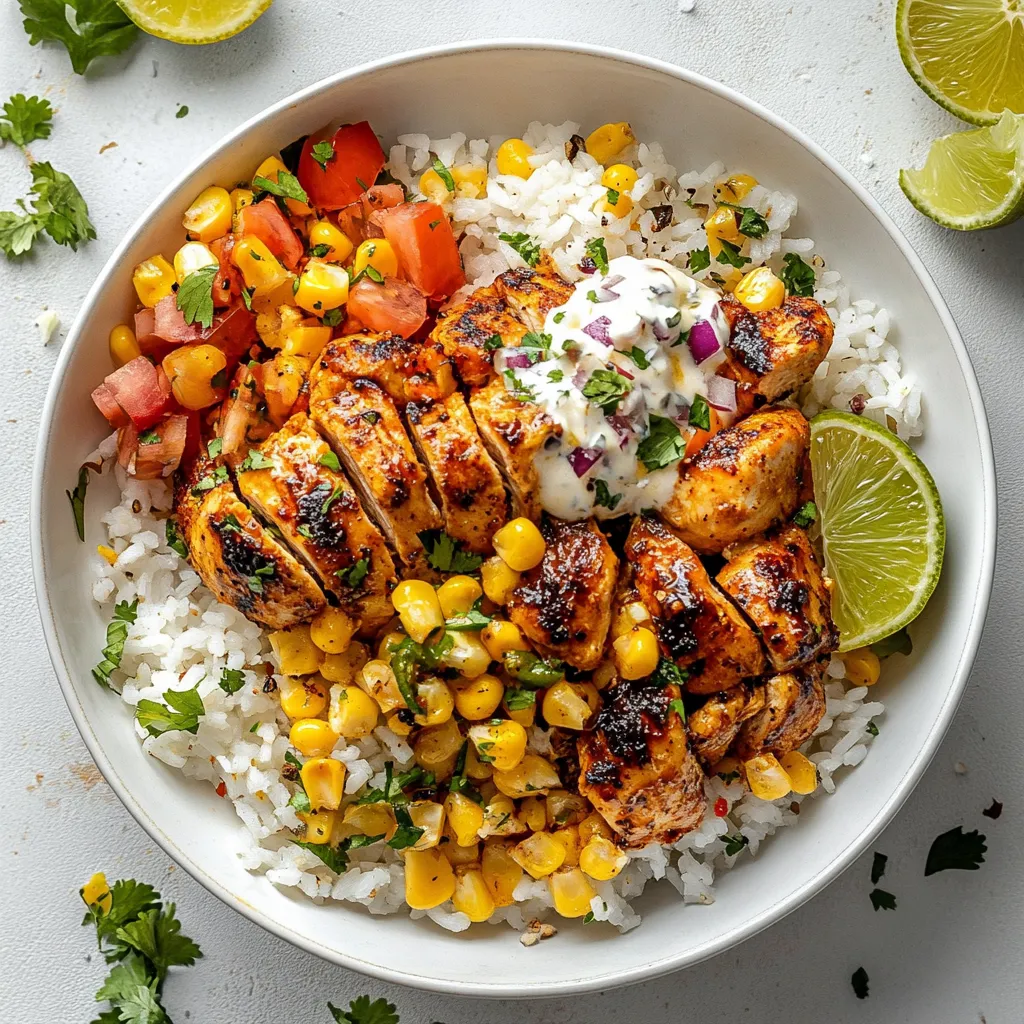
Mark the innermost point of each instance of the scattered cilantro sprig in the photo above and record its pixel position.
(101, 28)
(956, 849)
(117, 632)
(58, 209)
(25, 119)
(445, 554)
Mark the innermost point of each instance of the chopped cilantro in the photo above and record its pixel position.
(210, 480)
(596, 251)
(214, 447)
(524, 245)
(604, 497)
(333, 317)
(407, 834)
(469, 622)
(806, 514)
(797, 276)
(676, 705)
(559, 316)
(555, 376)
(286, 186)
(733, 844)
(195, 296)
(232, 680)
(117, 632)
(255, 460)
(872, 729)
(699, 259)
(182, 712)
(408, 655)
(524, 392)
(663, 444)
(956, 849)
(533, 670)
(334, 857)
(613, 197)
(606, 388)
(330, 460)
(77, 499)
(445, 555)
(730, 254)
(639, 356)
(700, 413)
(444, 174)
(318, 252)
(322, 152)
(174, 539)
(493, 342)
(520, 698)
(355, 573)
(182, 112)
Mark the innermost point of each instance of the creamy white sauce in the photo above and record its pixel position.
(639, 312)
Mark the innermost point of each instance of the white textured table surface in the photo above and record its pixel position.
(952, 951)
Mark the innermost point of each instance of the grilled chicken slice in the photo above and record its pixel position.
(532, 292)
(794, 705)
(744, 481)
(360, 421)
(714, 725)
(564, 605)
(698, 627)
(779, 585)
(637, 769)
(318, 514)
(513, 432)
(775, 351)
(235, 555)
(466, 330)
(473, 502)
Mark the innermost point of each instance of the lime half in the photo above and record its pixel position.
(972, 179)
(194, 21)
(881, 526)
(968, 55)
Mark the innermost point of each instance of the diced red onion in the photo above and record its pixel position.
(579, 378)
(604, 290)
(598, 330)
(583, 460)
(661, 332)
(518, 361)
(622, 426)
(703, 341)
(722, 393)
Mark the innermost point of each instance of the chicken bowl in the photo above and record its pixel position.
(463, 540)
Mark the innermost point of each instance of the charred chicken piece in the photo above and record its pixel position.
(779, 585)
(564, 605)
(235, 555)
(698, 627)
(744, 481)
(532, 292)
(318, 514)
(714, 725)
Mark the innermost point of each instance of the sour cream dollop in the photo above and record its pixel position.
(623, 368)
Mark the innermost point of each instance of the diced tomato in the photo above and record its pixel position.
(104, 399)
(150, 343)
(394, 306)
(142, 391)
(227, 285)
(381, 197)
(232, 332)
(358, 159)
(169, 322)
(157, 458)
(422, 238)
(265, 221)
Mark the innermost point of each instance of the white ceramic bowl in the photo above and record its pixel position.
(482, 89)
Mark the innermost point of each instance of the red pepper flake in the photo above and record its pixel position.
(721, 807)
(222, 790)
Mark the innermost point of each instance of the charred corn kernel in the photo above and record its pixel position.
(437, 701)
(323, 232)
(615, 204)
(280, 294)
(501, 743)
(296, 653)
(533, 774)
(378, 680)
(332, 630)
(153, 279)
(470, 181)
(193, 256)
(353, 712)
(499, 818)
(803, 776)
(433, 187)
(96, 893)
(532, 813)
(513, 157)
(376, 819)
(418, 607)
(629, 615)
(376, 253)
(437, 747)
(593, 825)
(608, 141)
(191, 369)
(760, 289)
(602, 859)
(457, 595)
(468, 655)
(323, 779)
(501, 873)
(476, 699)
(429, 879)
(303, 698)
(123, 345)
(322, 286)
(313, 737)
(465, 817)
(721, 225)
(319, 826)
(109, 555)
(565, 706)
(389, 644)
(259, 266)
(519, 545)
(471, 896)
(461, 854)
(636, 653)
(565, 808)
(734, 188)
(620, 177)
(475, 768)
(209, 216)
(571, 893)
(400, 724)
(766, 777)
(862, 666)
(604, 675)
(429, 816)
(240, 199)
(498, 579)
(270, 169)
(499, 637)
(305, 340)
(539, 854)
(569, 837)
(342, 668)
(525, 716)
(272, 325)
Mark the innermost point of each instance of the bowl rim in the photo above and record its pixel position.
(777, 910)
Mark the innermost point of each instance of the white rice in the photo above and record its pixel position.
(183, 637)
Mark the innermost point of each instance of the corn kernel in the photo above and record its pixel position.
(437, 747)
(571, 893)
(862, 666)
(533, 774)
(323, 232)
(153, 279)
(634, 613)
(533, 813)
(499, 637)
(401, 724)
(608, 141)
(615, 204)
(304, 697)
(721, 225)
(478, 698)
(759, 290)
(312, 737)
(319, 826)
(501, 744)
(193, 256)
(436, 699)
(498, 579)
(539, 854)
(620, 177)
(465, 817)
(305, 340)
(468, 655)
(470, 181)
(766, 777)
(460, 854)
(323, 779)
(525, 716)
(260, 268)
(801, 771)
(457, 595)
(565, 705)
(429, 816)
(390, 643)
(191, 370)
(240, 199)
(636, 653)
(433, 187)
(376, 253)
(513, 156)
(565, 808)
(342, 668)
(499, 818)
(270, 169)
(109, 555)
(429, 879)
(475, 768)
(418, 607)
(96, 893)
(122, 345)
(594, 825)
(378, 680)
(602, 859)
(322, 286)
(376, 819)
(332, 630)
(735, 188)
(569, 837)
(209, 216)
(296, 653)
(471, 896)
(519, 545)
(501, 873)
(353, 712)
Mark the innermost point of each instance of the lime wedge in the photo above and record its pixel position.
(194, 21)
(968, 55)
(972, 179)
(881, 526)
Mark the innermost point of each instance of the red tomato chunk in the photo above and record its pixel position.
(422, 238)
(357, 160)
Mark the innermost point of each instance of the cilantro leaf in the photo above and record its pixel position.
(255, 460)
(333, 856)
(859, 980)
(797, 276)
(25, 119)
(362, 1011)
(445, 555)
(77, 499)
(751, 224)
(523, 244)
(806, 514)
(286, 186)
(355, 573)
(181, 112)
(232, 680)
(668, 673)
(18, 231)
(639, 356)
(733, 844)
(407, 834)
(470, 622)
(730, 254)
(599, 255)
(896, 643)
(699, 259)
(444, 174)
(956, 849)
(408, 655)
(330, 460)
(603, 496)
(195, 296)
(878, 863)
(606, 388)
(214, 447)
(142, 1006)
(520, 698)
(518, 389)
(493, 342)
(124, 979)
(60, 204)
(117, 632)
(663, 444)
(882, 900)
(533, 670)
(322, 152)
(678, 707)
(101, 28)
(700, 413)
(182, 712)
(156, 934)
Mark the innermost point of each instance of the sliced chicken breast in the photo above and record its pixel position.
(532, 292)
(713, 726)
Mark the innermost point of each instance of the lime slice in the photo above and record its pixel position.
(194, 21)
(972, 179)
(966, 54)
(881, 526)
